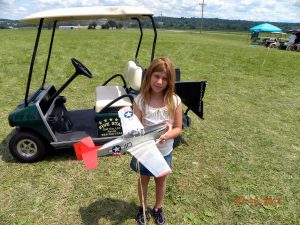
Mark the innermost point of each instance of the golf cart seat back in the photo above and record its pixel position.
(133, 75)
(106, 94)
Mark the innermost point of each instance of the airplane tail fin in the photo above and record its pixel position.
(87, 151)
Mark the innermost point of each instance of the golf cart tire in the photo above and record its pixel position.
(26, 146)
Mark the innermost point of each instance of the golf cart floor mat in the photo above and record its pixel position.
(84, 124)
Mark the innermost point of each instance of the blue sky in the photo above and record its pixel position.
(256, 10)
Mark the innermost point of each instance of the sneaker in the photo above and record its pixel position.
(140, 217)
(159, 216)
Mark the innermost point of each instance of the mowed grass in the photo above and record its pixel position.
(247, 148)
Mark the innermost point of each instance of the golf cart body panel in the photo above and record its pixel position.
(34, 116)
(44, 112)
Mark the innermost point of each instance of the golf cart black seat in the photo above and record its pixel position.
(112, 98)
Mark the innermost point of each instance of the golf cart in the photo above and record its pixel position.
(42, 119)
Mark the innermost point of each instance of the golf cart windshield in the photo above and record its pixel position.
(82, 13)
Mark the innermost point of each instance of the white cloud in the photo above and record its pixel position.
(5, 4)
(22, 9)
(246, 2)
(6, 8)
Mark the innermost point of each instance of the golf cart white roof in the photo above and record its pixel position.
(85, 13)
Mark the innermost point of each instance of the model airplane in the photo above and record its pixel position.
(137, 140)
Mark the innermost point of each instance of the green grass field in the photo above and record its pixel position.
(238, 166)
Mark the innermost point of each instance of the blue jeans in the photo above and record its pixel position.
(144, 170)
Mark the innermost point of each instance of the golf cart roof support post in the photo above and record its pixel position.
(49, 53)
(32, 61)
(140, 41)
(155, 37)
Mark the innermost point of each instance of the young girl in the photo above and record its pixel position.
(155, 104)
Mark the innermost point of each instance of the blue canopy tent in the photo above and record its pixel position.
(264, 27)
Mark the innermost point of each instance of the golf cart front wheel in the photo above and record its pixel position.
(27, 146)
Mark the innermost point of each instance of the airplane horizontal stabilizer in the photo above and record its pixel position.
(148, 154)
(87, 151)
(90, 160)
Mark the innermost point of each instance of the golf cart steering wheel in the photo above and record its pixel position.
(81, 69)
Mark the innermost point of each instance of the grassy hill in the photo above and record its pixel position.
(238, 166)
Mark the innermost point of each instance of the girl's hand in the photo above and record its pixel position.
(163, 138)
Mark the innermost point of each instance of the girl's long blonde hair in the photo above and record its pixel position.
(161, 65)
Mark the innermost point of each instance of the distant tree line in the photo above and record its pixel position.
(6, 24)
(165, 23)
(215, 24)
(109, 24)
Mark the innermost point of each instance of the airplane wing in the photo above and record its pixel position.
(148, 154)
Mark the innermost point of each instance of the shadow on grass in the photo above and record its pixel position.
(114, 210)
(60, 154)
(4, 152)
